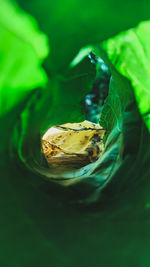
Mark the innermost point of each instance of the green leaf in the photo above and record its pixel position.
(120, 118)
(129, 53)
(61, 101)
(81, 55)
(22, 50)
(74, 24)
(112, 110)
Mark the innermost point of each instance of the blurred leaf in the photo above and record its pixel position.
(73, 24)
(22, 50)
(130, 54)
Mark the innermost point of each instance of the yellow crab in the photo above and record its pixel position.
(73, 145)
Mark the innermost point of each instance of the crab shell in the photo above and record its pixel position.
(73, 145)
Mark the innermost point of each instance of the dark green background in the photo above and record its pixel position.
(39, 225)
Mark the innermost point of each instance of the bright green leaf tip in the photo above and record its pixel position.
(81, 55)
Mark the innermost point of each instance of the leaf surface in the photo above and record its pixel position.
(22, 50)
